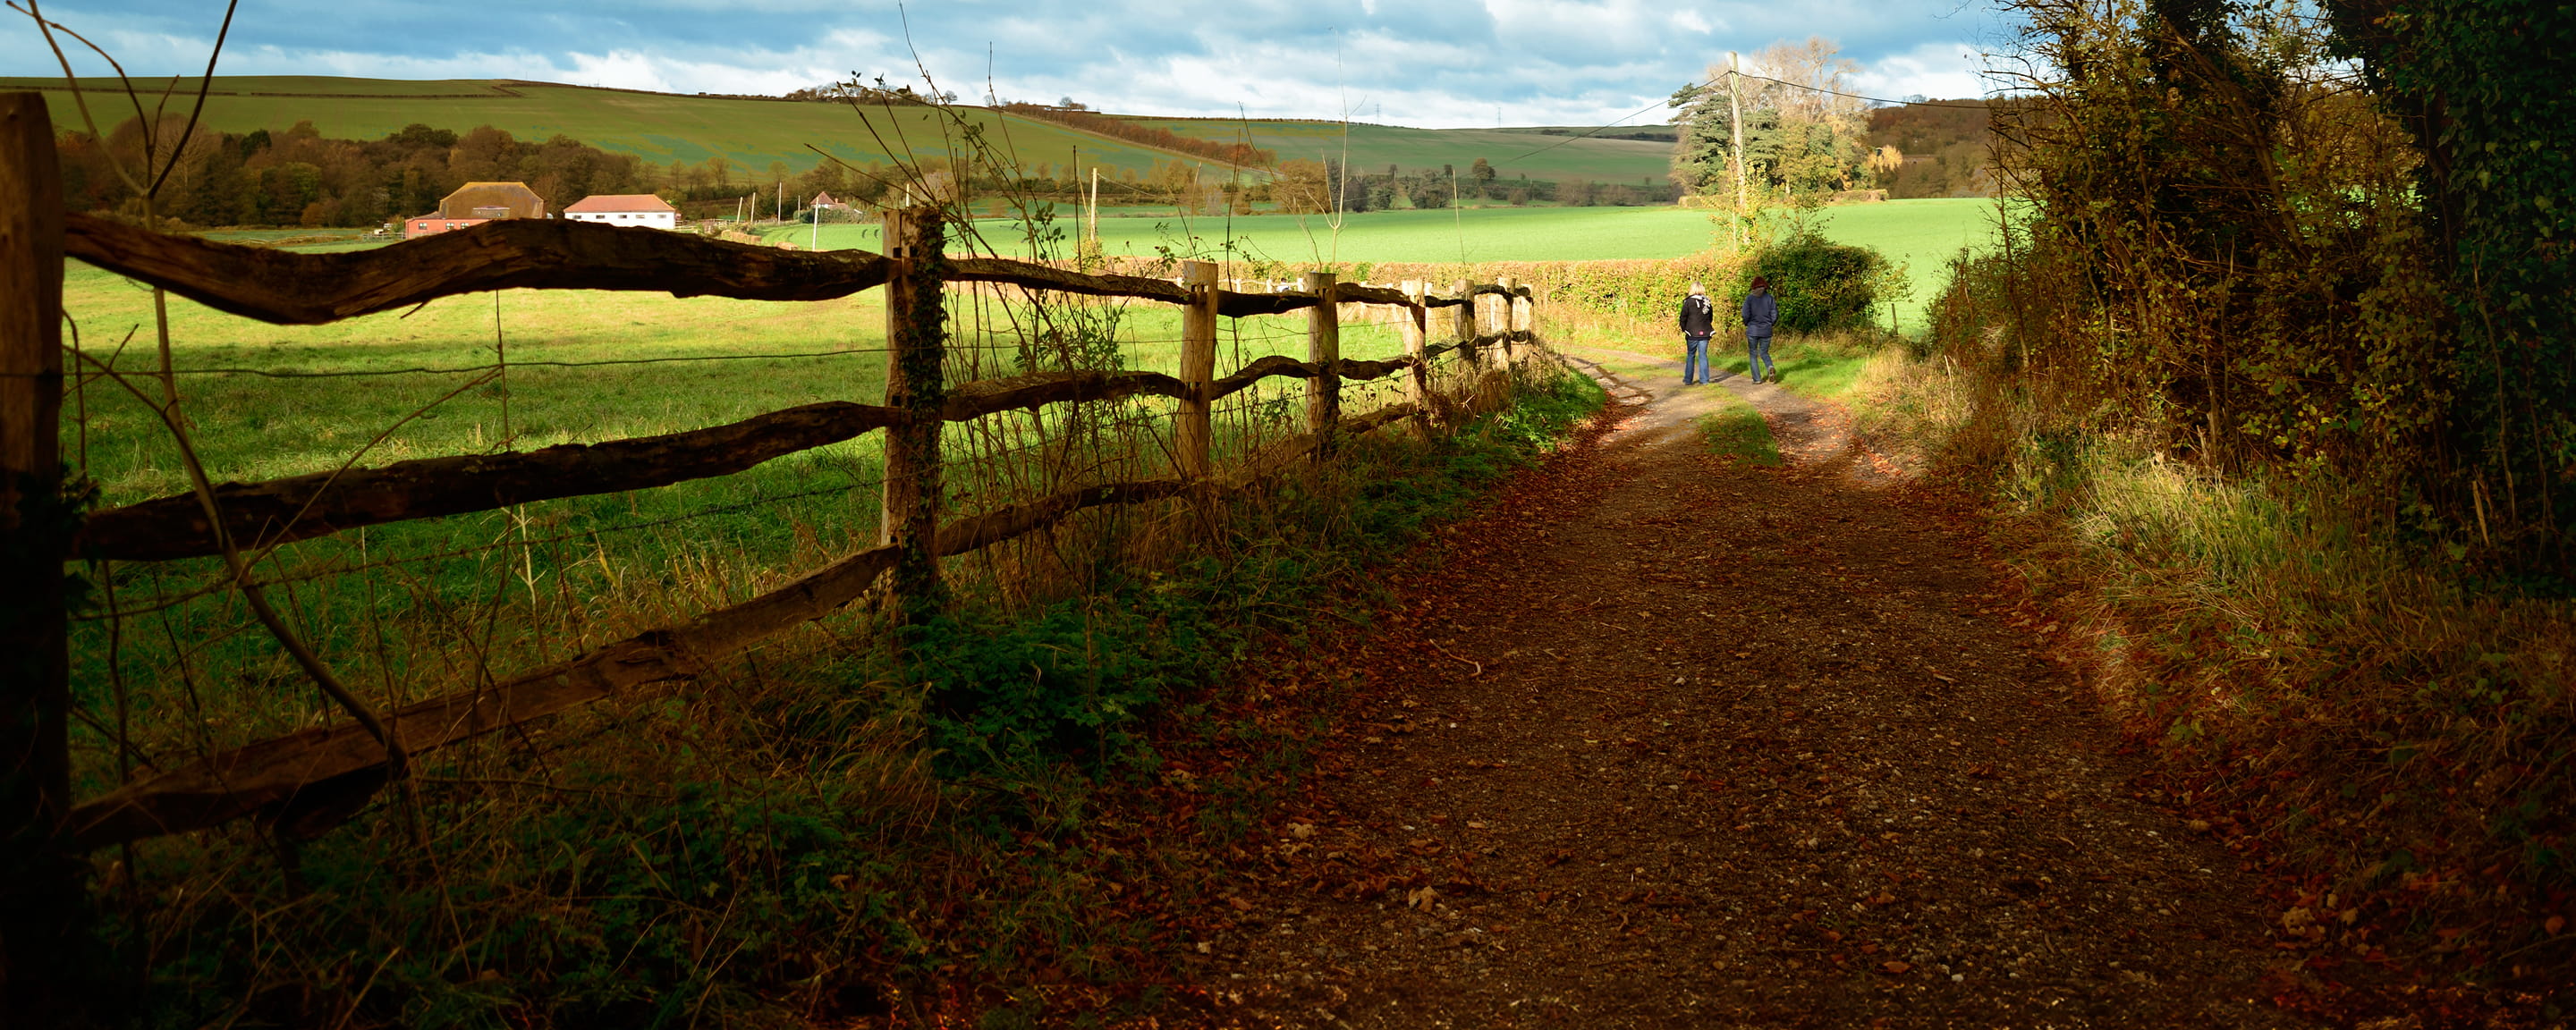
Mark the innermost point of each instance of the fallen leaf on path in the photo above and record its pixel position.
(1896, 968)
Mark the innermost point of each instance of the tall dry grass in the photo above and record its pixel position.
(2346, 704)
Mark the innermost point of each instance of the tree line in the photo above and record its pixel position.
(1241, 154)
(298, 177)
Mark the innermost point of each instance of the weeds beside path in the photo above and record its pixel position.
(1677, 741)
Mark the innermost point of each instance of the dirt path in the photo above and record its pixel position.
(1672, 742)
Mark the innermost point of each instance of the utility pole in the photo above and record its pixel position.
(1095, 204)
(1735, 120)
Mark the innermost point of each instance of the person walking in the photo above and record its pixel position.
(1699, 322)
(1761, 312)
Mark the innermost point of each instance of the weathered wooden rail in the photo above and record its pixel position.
(1491, 326)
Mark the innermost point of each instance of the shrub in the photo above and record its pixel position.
(1820, 284)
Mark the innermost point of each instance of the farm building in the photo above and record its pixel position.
(474, 204)
(825, 201)
(643, 209)
(431, 225)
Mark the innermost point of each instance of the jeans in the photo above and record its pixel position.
(1760, 346)
(1695, 362)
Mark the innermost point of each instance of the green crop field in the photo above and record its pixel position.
(1920, 234)
(586, 366)
(1373, 147)
(656, 126)
(518, 587)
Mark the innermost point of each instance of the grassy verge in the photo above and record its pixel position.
(1823, 366)
(1014, 819)
(2350, 711)
(1738, 432)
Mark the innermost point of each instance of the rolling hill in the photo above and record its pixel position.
(753, 133)
(660, 127)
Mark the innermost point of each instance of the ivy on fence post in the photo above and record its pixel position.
(1415, 326)
(1198, 369)
(916, 334)
(1324, 348)
(41, 896)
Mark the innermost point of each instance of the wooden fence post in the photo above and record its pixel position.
(1324, 348)
(916, 334)
(1190, 432)
(1506, 310)
(1464, 319)
(1415, 327)
(41, 896)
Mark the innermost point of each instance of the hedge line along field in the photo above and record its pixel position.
(1373, 147)
(1920, 234)
(659, 127)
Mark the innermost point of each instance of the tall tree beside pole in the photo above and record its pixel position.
(41, 895)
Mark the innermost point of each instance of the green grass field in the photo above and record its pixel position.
(712, 362)
(1920, 234)
(1371, 148)
(534, 583)
(658, 127)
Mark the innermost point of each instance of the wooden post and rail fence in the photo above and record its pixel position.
(46, 828)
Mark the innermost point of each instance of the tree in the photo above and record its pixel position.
(1800, 131)
(1301, 187)
(1703, 155)
(1480, 171)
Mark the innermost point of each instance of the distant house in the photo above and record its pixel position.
(642, 209)
(474, 204)
(825, 201)
(431, 225)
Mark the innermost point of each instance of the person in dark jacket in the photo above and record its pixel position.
(1761, 312)
(1699, 322)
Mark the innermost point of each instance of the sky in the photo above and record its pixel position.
(1423, 63)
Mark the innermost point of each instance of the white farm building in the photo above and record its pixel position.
(642, 209)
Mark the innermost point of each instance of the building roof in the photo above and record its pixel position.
(473, 197)
(618, 202)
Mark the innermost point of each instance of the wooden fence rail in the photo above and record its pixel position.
(332, 765)
(288, 288)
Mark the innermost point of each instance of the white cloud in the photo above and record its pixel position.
(1941, 70)
(1424, 62)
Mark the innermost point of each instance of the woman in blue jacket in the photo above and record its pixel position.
(1760, 313)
